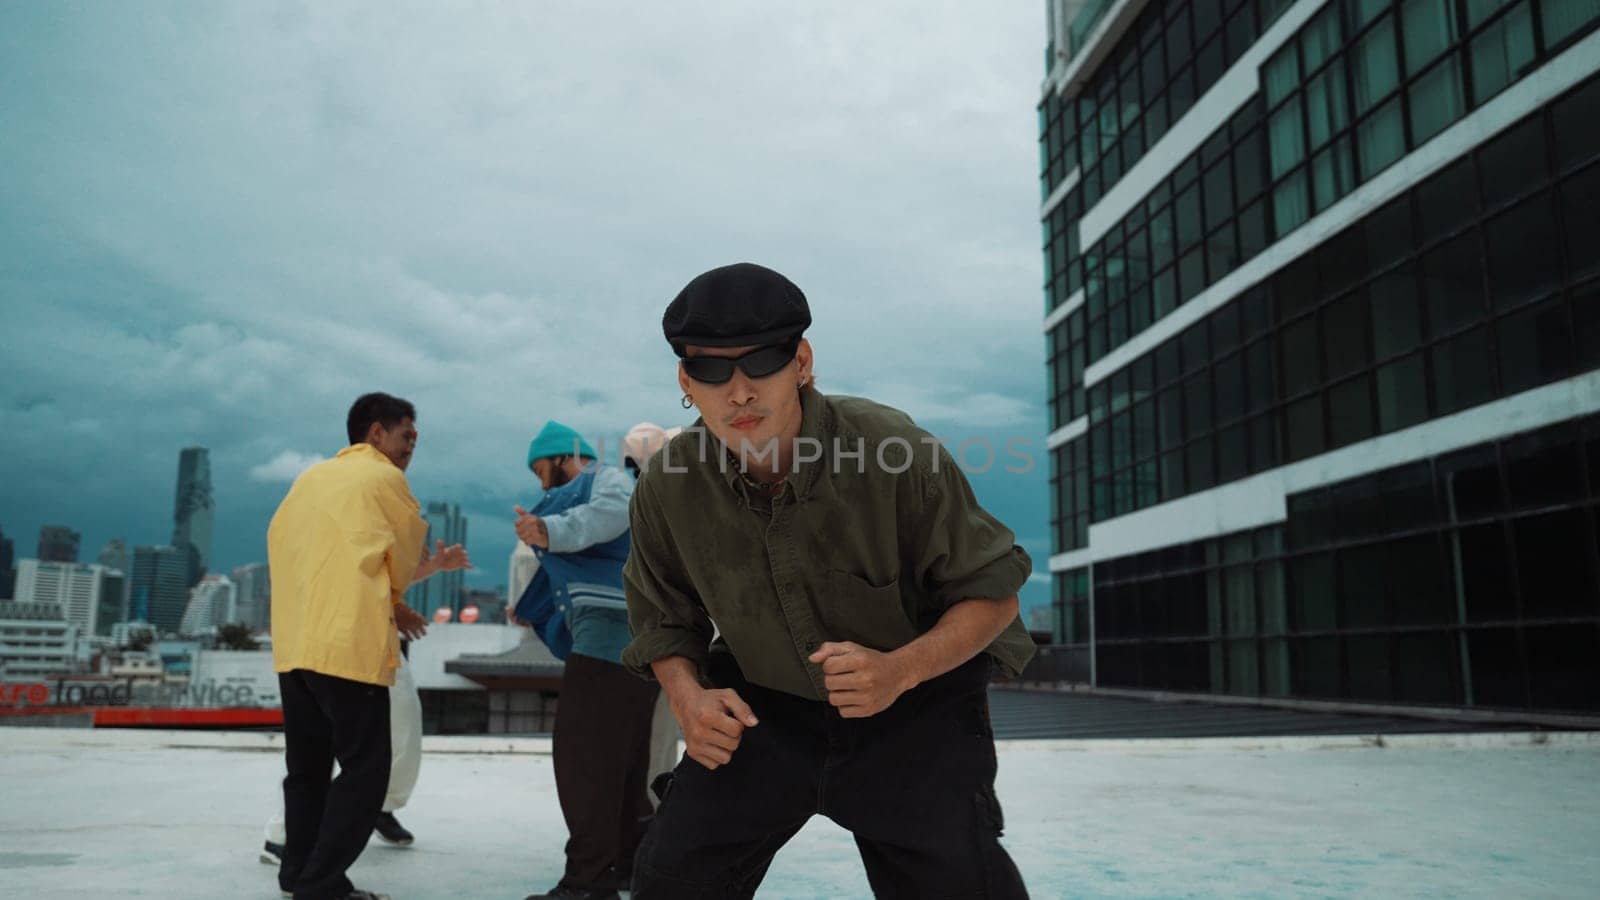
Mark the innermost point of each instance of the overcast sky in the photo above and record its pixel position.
(220, 223)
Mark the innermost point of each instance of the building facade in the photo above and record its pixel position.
(7, 574)
(1322, 311)
(36, 642)
(253, 584)
(160, 590)
(212, 604)
(193, 511)
(58, 543)
(77, 590)
(442, 591)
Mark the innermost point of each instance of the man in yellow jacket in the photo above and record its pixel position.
(343, 547)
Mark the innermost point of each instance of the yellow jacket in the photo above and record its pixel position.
(343, 547)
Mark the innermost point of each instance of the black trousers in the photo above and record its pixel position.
(328, 819)
(602, 758)
(914, 784)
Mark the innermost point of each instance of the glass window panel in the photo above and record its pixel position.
(1479, 11)
(1294, 288)
(1197, 403)
(1497, 667)
(1209, 64)
(1364, 11)
(1327, 109)
(1286, 138)
(1402, 394)
(1191, 274)
(1586, 330)
(1304, 428)
(1311, 589)
(1144, 429)
(1545, 468)
(1244, 674)
(1225, 329)
(1447, 201)
(1427, 667)
(1181, 93)
(1299, 357)
(1373, 63)
(1350, 412)
(1290, 206)
(1262, 382)
(1396, 311)
(1247, 162)
(1172, 482)
(1536, 346)
(1501, 54)
(1461, 377)
(1333, 174)
(1201, 471)
(1241, 32)
(1524, 252)
(1229, 374)
(1565, 18)
(1430, 29)
(1197, 346)
(1218, 182)
(1577, 126)
(1187, 207)
(1170, 418)
(1485, 560)
(1514, 163)
(1381, 139)
(1562, 672)
(1252, 230)
(1344, 335)
(1452, 278)
(1388, 233)
(1367, 660)
(1239, 586)
(1320, 38)
(1233, 453)
(1470, 482)
(1265, 447)
(1555, 569)
(1361, 593)
(1436, 99)
(1580, 215)
(1162, 247)
(1282, 75)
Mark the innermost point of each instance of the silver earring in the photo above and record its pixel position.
(687, 403)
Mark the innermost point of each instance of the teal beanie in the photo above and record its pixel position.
(556, 439)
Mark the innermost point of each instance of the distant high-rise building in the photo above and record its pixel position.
(445, 523)
(253, 589)
(114, 556)
(113, 606)
(160, 589)
(193, 513)
(7, 576)
(74, 587)
(58, 543)
(211, 604)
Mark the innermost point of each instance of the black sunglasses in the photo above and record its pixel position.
(758, 363)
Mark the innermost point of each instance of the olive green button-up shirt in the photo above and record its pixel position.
(873, 535)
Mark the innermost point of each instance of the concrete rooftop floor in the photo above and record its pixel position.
(180, 815)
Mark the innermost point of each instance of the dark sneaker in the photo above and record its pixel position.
(271, 854)
(365, 895)
(390, 829)
(567, 892)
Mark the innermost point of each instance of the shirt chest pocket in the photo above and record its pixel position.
(853, 609)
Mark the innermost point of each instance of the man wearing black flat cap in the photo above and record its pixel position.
(861, 598)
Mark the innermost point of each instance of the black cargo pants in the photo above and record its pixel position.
(914, 784)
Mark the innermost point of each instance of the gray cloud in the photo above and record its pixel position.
(219, 224)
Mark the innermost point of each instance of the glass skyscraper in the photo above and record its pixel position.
(445, 523)
(1322, 310)
(193, 512)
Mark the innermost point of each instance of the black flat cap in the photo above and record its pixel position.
(735, 306)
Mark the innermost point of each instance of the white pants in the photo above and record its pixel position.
(405, 749)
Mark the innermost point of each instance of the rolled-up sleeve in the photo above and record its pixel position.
(603, 518)
(666, 618)
(964, 552)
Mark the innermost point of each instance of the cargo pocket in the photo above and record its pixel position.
(853, 609)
